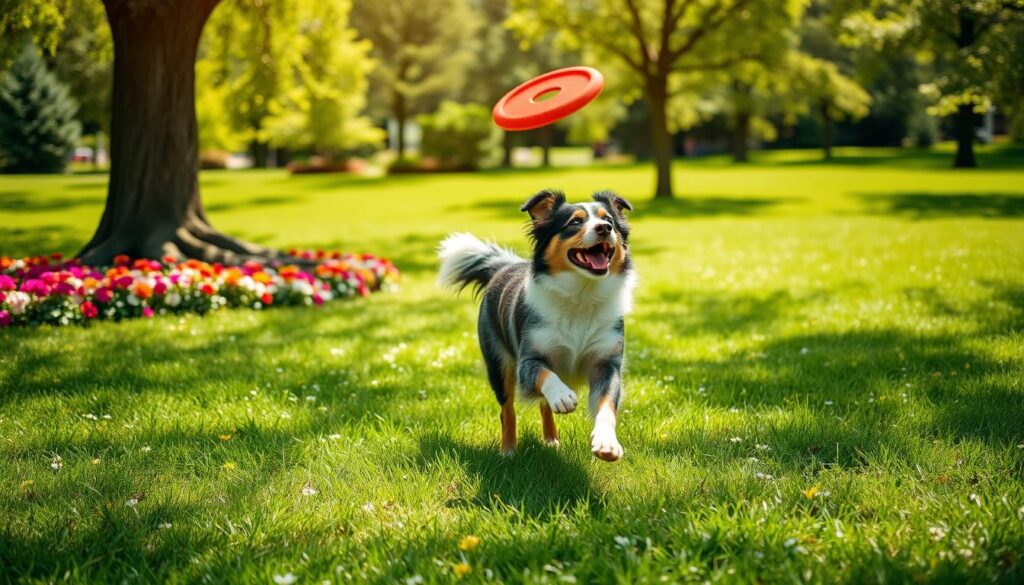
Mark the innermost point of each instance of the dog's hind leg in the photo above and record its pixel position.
(547, 419)
(502, 376)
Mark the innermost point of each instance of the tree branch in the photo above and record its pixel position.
(712, 20)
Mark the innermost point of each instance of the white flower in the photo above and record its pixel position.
(937, 532)
(286, 579)
(764, 476)
(165, 525)
(761, 447)
(17, 301)
(133, 300)
(57, 463)
(828, 403)
(309, 490)
(735, 440)
(146, 449)
(132, 502)
(975, 498)
(622, 541)
(173, 299)
(414, 580)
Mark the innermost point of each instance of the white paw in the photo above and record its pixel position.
(560, 397)
(605, 445)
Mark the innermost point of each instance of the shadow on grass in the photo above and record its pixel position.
(22, 202)
(945, 205)
(1004, 158)
(689, 207)
(16, 242)
(266, 201)
(538, 481)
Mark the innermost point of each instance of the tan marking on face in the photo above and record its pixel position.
(557, 252)
(618, 262)
(602, 212)
(547, 419)
(508, 414)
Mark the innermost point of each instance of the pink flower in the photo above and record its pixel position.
(36, 287)
(160, 288)
(89, 310)
(7, 283)
(147, 312)
(5, 318)
(124, 281)
(104, 295)
(63, 288)
(317, 299)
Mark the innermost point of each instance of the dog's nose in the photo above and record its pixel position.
(603, 229)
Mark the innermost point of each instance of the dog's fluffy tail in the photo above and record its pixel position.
(467, 261)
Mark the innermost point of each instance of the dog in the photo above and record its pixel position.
(555, 321)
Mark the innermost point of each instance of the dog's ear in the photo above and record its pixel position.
(543, 204)
(614, 201)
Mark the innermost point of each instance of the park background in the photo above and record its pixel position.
(825, 365)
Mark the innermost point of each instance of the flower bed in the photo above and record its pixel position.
(46, 289)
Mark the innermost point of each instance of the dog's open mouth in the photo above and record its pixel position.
(594, 259)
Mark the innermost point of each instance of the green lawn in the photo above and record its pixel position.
(854, 328)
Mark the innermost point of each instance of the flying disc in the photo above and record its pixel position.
(548, 98)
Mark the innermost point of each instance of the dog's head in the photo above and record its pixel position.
(589, 239)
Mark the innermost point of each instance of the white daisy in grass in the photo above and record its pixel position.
(57, 463)
(735, 440)
(286, 579)
(309, 490)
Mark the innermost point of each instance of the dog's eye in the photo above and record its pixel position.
(576, 221)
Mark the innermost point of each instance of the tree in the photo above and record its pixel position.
(422, 49)
(35, 21)
(38, 129)
(83, 59)
(822, 88)
(293, 77)
(960, 35)
(660, 39)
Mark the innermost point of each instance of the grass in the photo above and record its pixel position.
(853, 329)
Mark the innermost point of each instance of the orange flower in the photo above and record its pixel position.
(262, 277)
(142, 290)
(232, 276)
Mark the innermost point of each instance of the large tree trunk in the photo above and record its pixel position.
(153, 207)
(661, 140)
(827, 131)
(965, 137)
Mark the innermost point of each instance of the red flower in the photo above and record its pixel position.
(147, 312)
(121, 260)
(124, 281)
(207, 289)
(267, 299)
(89, 310)
(160, 288)
(5, 318)
(104, 295)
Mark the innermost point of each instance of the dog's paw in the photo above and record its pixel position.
(605, 445)
(560, 398)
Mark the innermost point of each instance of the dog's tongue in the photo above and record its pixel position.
(596, 258)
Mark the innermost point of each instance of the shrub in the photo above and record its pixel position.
(38, 129)
(459, 136)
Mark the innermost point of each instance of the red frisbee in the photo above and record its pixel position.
(572, 88)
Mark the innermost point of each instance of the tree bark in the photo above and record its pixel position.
(506, 144)
(965, 137)
(153, 207)
(661, 140)
(965, 112)
(399, 110)
(741, 123)
(827, 132)
(546, 138)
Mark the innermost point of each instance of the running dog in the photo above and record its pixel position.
(555, 321)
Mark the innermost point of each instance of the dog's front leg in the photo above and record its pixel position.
(536, 377)
(605, 393)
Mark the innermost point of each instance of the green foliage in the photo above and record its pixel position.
(857, 326)
(460, 136)
(34, 21)
(84, 59)
(289, 74)
(962, 38)
(38, 129)
(422, 49)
